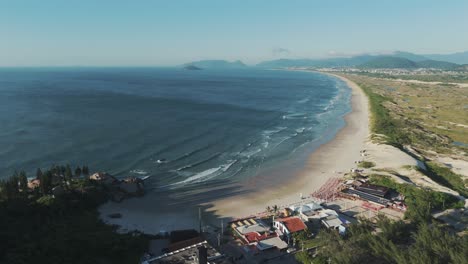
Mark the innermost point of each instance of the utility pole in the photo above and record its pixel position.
(199, 220)
(222, 228)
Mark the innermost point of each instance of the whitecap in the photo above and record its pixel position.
(207, 174)
(139, 172)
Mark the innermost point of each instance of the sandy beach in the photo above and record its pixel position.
(330, 160)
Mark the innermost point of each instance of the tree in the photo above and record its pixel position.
(78, 172)
(38, 173)
(23, 181)
(46, 182)
(85, 170)
(9, 187)
(3, 191)
(68, 173)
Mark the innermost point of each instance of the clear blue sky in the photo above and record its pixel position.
(140, 32)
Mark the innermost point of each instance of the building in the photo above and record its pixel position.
(379, 191)
(255, 228)
(198, 253)
(103, 177)
(33, 184)
(288, 226)
(306, 211)
(272, 242)
(258, 234)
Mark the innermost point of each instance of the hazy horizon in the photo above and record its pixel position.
(153, 33)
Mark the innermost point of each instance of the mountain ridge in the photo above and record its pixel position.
(224, 64)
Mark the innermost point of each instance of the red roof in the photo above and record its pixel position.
(293, 224)
(255, 237)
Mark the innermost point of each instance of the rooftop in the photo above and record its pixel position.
(186, 255)
(259, 228)
(293, 224)
(306, 207)
(272, 242)
(331, 221)
(255, 237)
(373, 189)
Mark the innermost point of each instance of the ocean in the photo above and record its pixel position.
(182, 128)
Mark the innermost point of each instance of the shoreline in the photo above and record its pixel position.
(330, 160)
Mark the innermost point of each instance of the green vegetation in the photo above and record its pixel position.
(420, 202)
(452, 78)
(446, 177)
(366, 164)
(381, 121)
(396, 242)
(415, 115)
(390, 62)
(38, 227)
(427, 117)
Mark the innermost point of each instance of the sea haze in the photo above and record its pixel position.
(181, 127)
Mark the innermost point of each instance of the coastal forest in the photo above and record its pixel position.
(57, 221)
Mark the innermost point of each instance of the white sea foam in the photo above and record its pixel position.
(207, 174)
(300, 130)
(295, 116)
(271, 132)
(139, 172)
(250, 153)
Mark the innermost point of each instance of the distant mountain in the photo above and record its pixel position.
(192, 68)
(459, 57)
(408, 55)
(218, 64)
(437, 64)
(332, 62)
(403, 63)
(389, 62)
(398, 59)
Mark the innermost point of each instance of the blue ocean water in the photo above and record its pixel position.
(181, 127)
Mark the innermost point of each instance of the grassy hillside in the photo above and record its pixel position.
(429, 117)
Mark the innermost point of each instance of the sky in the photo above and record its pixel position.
(165, 33)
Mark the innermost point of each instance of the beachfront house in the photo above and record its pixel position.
(334, 222)
(258, 234)
(33, 184)
(285, 227)
(306, 211)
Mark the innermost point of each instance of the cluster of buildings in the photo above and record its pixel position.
(195, 251)
(393, 71)
(266, 237)
(378, 197)
(263, 234)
